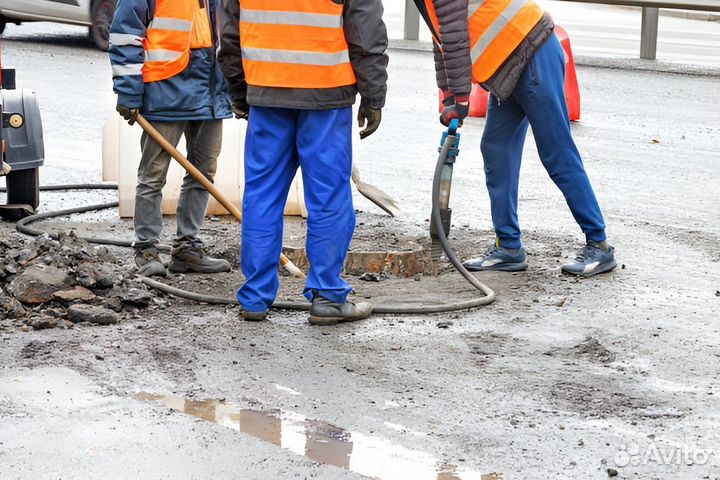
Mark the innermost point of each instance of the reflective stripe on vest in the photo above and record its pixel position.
(294, 44)
(298, 58)
(177, 27)
(473, 6)
(176, 24)
(123, 39)
(497, 27)
(128, 69)
(291, 18)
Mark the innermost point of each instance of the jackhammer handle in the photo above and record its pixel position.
(454, 125)
(209, 186)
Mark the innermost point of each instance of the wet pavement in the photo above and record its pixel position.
(321, 442)
(560, 378)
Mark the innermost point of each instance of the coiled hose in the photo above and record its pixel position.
(488, 297)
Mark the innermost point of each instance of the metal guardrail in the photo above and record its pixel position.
(648, 30)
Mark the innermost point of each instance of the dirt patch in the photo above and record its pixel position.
(589, 349)
(593, 350)
(484, 347)
(36, 349)
(592, 400)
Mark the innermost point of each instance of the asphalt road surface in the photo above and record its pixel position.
(559, 378)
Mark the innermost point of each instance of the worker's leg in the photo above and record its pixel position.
(152, 175)
(325, 149)
(541, 94)
(204, 139)
(502, 147)
(270, 165)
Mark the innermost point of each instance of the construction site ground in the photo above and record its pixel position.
(560, 378)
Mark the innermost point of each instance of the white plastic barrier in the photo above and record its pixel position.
(121, 158)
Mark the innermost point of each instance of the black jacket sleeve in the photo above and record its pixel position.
(230, 56)
(453, 66)
(367, 40)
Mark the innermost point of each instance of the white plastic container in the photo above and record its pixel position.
(121, 158)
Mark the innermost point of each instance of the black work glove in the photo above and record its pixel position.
(241, 109)
(129, 114)
(369, 118)
(455, 107)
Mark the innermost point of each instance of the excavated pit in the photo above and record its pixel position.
(380, 247)
(388, 260)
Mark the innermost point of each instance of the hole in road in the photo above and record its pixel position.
(321, 442)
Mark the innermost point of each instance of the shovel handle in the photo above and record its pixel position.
(209, 186)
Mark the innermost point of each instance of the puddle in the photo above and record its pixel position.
(321, 442)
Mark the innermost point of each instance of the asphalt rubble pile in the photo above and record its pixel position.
(47, 283)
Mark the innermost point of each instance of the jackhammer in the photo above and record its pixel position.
(448, 150)
(441, 211)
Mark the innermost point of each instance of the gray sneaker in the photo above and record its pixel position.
(591, 260)
(325, 312)
(196, 260)
(149, 263)
(499, 259)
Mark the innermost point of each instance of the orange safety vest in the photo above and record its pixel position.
(294, 44)
(177, 27)
(497, 27)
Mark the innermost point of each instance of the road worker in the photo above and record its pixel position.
(508, 47)
(164, 66)
(295, 68)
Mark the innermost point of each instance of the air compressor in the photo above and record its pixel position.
(23, 150)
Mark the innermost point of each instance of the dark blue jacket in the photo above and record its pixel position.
(197, 93)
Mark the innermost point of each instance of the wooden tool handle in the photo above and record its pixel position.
(209, 186)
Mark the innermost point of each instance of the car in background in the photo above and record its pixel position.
(96, 14)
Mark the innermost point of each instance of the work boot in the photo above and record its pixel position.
(325, 312)
(254, 316)
(499, 259)
(149, 263)
(591, 260)
(196, 260)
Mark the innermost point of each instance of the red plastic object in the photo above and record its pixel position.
(479, 97)
(572, 88)
(478, 101)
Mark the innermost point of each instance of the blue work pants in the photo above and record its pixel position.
(279, 140)
(538, 101)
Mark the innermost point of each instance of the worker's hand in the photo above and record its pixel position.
(369, 118)
(456, 107)
(4, 168)
(129, 114)
(241, 109)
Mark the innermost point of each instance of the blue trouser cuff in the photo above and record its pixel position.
(332, 295)
(255, 307)
(512, 243)
(597, 237)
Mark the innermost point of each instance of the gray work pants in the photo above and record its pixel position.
(204, 139)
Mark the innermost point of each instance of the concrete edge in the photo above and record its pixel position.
(691, 15)
(639, 64)
(411, 45)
